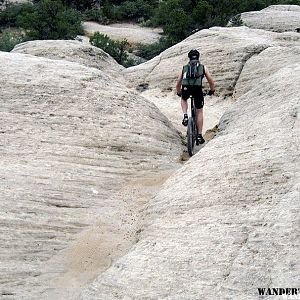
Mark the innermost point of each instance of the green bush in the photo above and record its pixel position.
(95, 15)
(179, 18)
(201, 15)
(116, 49)
(152, 50)
(52, 20)
(135, 10)
(80, 5)
(177, 23)
(236, 21)
(10, 15)
(9, 40)
(110, 11)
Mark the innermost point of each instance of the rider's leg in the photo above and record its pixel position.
(200, 120)
(200, 139)
(184, 106)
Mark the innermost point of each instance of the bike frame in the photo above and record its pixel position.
(192, 130)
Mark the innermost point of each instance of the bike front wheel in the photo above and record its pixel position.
(191, 136)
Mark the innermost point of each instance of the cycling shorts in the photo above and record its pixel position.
(194, 91)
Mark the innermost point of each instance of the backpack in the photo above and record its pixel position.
(192, 73)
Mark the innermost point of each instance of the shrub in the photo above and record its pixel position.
(10, 15)
(9, 40)
(80, 5)
(179, 26)
(152, 50)
(116, 49)
(95, 15)
(135, 10)
(179, 18)
(236, 21)
(175, 16)
(202, 15)
(111, 11)
(52, 20)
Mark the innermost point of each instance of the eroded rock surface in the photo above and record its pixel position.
(71, 136)
(73, 51)
(228, 221)
(264, 64)
(84, 159)
(224, 50)
(278, 18)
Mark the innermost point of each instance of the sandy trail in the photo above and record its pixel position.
(132, 32)
(111, 236)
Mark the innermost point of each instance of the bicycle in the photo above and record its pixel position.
(192, 128)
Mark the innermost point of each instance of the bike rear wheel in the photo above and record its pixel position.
(191, 136)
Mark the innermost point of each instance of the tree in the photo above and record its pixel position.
(52, 20)
(80, 5)
(9, 16)
(179, 25)
(201, 14)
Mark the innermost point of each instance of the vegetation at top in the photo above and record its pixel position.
(61, 19)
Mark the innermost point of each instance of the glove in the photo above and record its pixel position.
(178, 94)
(210, 92)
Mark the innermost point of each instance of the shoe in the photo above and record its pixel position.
(185, 120)
(200, 139)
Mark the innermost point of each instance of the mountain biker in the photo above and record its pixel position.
(190, 84)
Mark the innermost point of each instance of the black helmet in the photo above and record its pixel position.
(194, 54)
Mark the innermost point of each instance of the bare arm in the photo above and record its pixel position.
(178, 82)
(209, 79)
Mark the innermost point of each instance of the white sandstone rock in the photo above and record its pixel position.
(266, 63)
(120, 31)
(223, 50)
(278, 18)
(84, 159)
(228, 221)
(71, 136)
(73, 51)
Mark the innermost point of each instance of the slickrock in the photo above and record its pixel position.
(74, 51)
(225, 62)
(266, 63)
(94, 204)
(278, 18)
(228, 221)
(131, 32)
(224, 50)
(71, 137)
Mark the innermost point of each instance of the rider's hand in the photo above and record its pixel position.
(210, 92)
(178, 94)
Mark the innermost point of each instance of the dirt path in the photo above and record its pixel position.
(132, 32)
(111, 237)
